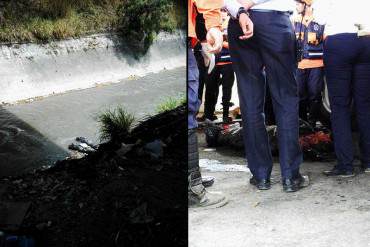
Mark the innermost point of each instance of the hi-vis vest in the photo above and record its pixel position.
(312, 36)
(223, 57)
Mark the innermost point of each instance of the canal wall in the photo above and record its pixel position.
(37, 70)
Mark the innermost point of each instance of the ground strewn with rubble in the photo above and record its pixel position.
(330, 212)
(120, 195)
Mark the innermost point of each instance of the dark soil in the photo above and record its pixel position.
(111, 199)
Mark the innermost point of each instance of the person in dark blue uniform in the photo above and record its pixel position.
(310, 73)
(273, 46)
(347, 70)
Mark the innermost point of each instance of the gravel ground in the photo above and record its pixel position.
(330, 212)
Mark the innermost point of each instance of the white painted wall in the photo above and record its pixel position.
(32, 70)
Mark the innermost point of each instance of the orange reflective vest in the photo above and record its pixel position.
(211, 10)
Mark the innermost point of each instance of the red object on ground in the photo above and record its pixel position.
(314, 139)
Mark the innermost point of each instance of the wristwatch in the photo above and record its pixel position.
(240, 11)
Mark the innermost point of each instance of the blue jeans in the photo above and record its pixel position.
(193, 85)
(347, 68)
(272, 46)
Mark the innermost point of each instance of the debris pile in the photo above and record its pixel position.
(129, 193)
(316, 143)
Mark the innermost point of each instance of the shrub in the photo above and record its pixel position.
(140, 20)
(115, 124)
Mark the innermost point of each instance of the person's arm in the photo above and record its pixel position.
(247, 4)
(211, 11)
(234, 8)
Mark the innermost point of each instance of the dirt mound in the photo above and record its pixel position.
(121, 195)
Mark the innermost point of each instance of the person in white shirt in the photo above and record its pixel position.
(347, 69)
(261, 35)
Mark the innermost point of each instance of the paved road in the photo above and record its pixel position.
(38, 133)
(330, 212)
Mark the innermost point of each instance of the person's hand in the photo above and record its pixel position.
(246, 25)
(214, 40)
(247, 4)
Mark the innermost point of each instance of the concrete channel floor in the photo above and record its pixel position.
(330, 212)
(38, 133)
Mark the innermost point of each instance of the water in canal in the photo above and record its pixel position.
(38, 133)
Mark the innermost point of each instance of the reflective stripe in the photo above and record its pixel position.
(315, 53)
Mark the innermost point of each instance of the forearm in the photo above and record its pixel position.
(233, 6)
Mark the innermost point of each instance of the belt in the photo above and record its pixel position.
(288, 13)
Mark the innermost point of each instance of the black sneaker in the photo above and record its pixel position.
(204, 118)
(201, 119)
(339, 172)
(263, 184)
(212, 118)
(227, 120)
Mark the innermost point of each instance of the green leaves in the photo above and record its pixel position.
(115, 124)
(140, 20)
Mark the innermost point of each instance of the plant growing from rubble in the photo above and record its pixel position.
(115, 124)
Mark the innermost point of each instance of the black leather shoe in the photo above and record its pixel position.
(293, 185)
(339, 172)
(262, 184)
(302, 181)
(289, 185)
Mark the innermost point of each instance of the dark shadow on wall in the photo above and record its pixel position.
(162, 48)
(23, 148)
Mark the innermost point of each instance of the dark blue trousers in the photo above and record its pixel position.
(193, 84)
(347, 68)
(221, 75)
(272, 46)
(310, 85)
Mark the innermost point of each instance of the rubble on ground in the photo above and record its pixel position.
(121, 194)
(316, 143)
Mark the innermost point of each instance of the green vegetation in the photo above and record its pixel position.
(45, 20)
(115, 124)
(139, 21)
(171, 103)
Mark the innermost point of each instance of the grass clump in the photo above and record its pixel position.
(115, 124)
(170, 104)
